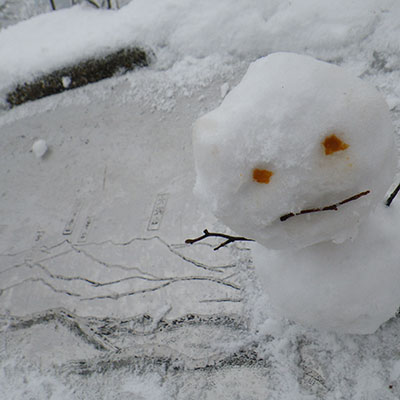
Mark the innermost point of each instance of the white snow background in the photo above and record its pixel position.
(114, 149)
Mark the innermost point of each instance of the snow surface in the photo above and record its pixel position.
(101, 136)
(279, 119)
(204, 36)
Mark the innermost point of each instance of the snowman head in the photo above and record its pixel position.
(296, 134)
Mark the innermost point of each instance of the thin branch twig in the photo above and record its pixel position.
(93, 3)
(229, 238)
(333, 207)
(393, 195)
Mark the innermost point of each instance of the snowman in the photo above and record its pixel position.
(299, 157)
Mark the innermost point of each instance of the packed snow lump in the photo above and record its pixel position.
(300, 156)
(296, 134)
(352, 287)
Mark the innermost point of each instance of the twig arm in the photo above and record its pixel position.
(229, 238)
(393, 195)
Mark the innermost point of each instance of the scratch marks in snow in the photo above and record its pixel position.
(85, 283)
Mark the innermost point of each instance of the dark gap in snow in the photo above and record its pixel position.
(81, 74)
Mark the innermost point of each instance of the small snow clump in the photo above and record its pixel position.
(39, 148)
(66, 81)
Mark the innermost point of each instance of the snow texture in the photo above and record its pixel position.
(321, 135)
(197, 39)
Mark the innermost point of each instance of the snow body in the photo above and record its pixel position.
(295, 134)
(351, 287)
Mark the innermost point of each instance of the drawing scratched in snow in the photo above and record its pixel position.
(113, 280)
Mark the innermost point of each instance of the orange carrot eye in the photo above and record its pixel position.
(333, 144)
(262, 175)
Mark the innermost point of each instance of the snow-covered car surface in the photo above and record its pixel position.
(100, 298)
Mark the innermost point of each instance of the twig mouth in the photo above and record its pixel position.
(332, 207)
